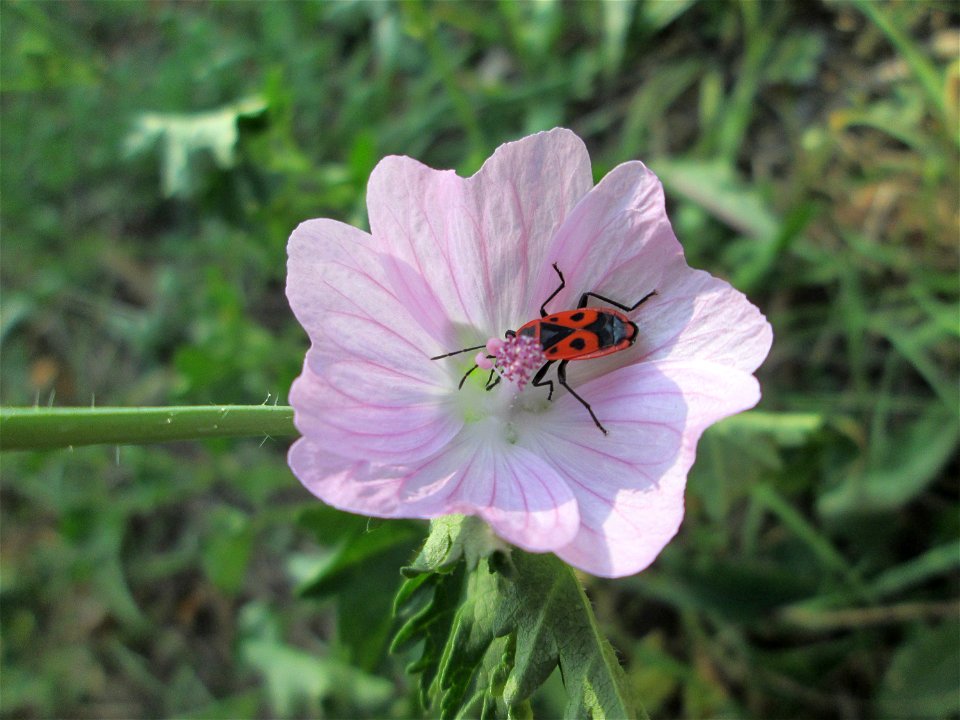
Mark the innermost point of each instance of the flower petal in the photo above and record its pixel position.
(519, 494)
(696, 316)
(337, 288)
(616, 242)
(473, 246)
(367, 413)
(629, 484)
(351, 485)
(368, 387)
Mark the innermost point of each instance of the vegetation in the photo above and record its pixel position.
(155, 158)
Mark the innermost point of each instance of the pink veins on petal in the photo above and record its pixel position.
(516, 359)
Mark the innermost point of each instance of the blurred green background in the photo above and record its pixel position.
(156, 156)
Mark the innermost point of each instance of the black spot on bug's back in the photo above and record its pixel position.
(608, 328)
(554, 318)
(551, 334)
(578, 343)
(553, 350)
(577, 317)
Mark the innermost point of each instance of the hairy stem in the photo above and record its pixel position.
(45, 428)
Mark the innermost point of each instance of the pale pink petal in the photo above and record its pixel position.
(368, 413)
(693, 316)
(516, 492)
(616, 242)
(629, 484)
(699, 317)
(368, 386)
(473, 246)
(519, 494)
(351, 485)
(363, 487)
(338, 290)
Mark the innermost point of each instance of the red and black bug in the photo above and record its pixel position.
(580, 334)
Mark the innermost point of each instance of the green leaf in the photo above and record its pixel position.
(365, 558)
(929, 76)
(657, 14)
(185, 135)
(617, 18)
(715, 186)
(452, 538)
(297, 681)
(935, 561)
(494, 632)
(796, 60)
(359, 548)
(226, 552)
(788, 429)
(246, 704)
(922, 678)
(295, 677)
(744, 450)
(553, 619)
(745, 590)
(429, 603)
(909, 462)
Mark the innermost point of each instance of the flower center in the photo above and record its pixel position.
(516, 358)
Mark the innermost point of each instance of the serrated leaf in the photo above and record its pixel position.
(430, 606)
(474, 629)
(496, 627)
(451, 538)
(555, 625)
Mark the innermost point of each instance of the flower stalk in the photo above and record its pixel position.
(46, 428)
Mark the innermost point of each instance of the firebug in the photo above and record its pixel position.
(580, 334)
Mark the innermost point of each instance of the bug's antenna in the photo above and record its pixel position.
(457, 352)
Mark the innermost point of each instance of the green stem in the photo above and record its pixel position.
(45, 428)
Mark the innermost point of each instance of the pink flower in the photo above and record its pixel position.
(452, 262)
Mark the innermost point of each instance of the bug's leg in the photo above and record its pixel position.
(562, 378)
(457, 352)
(465, 376)
(491, 383)
(538, 380)
(563, 284)
(625, 308)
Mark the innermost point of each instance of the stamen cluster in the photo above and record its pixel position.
(516, 358)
